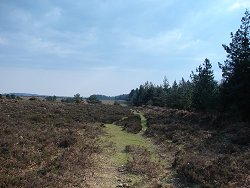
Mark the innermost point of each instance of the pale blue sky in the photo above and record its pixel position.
(63, 47)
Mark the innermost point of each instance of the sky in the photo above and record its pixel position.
(64, 47)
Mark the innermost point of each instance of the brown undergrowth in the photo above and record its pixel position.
(131, 124)
(46, 144)
(207, 150)
(141, 162)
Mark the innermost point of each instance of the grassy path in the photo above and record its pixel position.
(120, 139)
(143, 120)
(114, 157)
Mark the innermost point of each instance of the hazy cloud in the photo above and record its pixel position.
(166, 42)
(239, 4)
(54, 14)
(103, 43)
(3, 40)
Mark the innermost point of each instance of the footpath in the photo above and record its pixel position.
(111, 164)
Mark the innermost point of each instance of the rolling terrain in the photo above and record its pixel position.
(54, 144)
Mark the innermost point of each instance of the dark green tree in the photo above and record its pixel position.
(68, 100)
(174, 96)
(51, 98)
(185, 92)
(165, 93)
(236, 70)
(93, 100)
(141, 96)
(77, 98)
(205, 89)
(158, 96)
(132, 97)
(12, 96)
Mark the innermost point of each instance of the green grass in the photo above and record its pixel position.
(143, 120)
(120, 139)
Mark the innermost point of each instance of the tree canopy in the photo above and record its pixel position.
(205, 88)
(236, 70)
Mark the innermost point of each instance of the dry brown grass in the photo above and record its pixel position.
(208, 150)
(131, 124)
(141, 162)
(46, 144)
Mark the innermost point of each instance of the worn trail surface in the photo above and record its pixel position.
(113, 157)
(110, 162)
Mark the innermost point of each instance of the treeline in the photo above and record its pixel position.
(119, 97)
(202, 92)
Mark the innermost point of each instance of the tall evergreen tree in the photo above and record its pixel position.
(204, 87)
(165, 92)
(158, 97)
(236, 70)
(174, 95)
(133, 97)
(185, 92)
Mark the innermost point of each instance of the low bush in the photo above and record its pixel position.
(141, 163)
(131, 124)
(208, 150)
(46, 144)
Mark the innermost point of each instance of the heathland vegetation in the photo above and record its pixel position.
(193, 133)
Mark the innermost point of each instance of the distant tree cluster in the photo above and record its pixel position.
(10, 96)
(119, 97)
(93, 100)
(68, 100)
(50, 98)
(202, 92)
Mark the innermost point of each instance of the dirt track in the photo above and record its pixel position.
(111, 170)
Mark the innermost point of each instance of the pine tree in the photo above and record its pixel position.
(174, 95)
(204, 87)
(236, 70)
(185, 92)
(77, 98)
(165, 92)
(158, 97)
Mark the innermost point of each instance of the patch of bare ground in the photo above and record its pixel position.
(103, 174)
